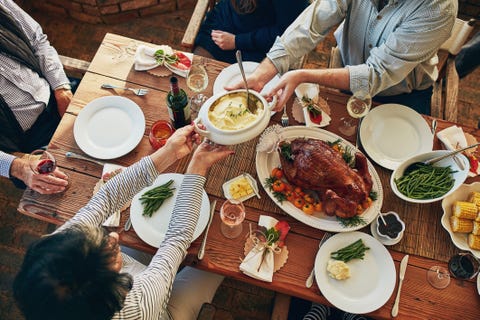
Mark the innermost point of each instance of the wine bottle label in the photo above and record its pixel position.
(180, 117)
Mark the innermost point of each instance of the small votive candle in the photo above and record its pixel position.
(159, 133)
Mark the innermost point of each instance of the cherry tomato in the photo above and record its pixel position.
(318, 206)
(308, 208)
(308, 198)
(299, 203)
(288, 187)
(277, 173)
(278, 186)
(367, 203)
(290, 196)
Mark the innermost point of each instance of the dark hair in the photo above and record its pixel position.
(244, 6)
(68, 275)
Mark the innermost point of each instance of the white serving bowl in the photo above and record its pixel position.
(230, 137)
(461, 194)
(459, 176)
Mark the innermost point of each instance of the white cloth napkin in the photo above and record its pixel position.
(145, 59)
(114, 219)
(250, 264)
(300, 113)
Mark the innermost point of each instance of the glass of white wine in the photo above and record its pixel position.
(357, 107)
(197, 81)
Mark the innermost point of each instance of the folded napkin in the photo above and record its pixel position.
(108, 172)
(300, 111)
(259, 262)
(145, 59)
(453, 138)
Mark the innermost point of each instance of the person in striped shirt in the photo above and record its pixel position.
(34, 94)
(79, 272)
(388, 48)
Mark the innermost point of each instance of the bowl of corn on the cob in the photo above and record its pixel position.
(461, 217)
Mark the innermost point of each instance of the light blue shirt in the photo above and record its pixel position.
(387, 53)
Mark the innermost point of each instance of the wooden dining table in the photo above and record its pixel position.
(425, 240)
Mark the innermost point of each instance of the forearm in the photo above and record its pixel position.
(338, 78)
(17, 168)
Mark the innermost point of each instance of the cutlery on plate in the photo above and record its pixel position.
(251, 104)
(401, 275)
(201, 252)
(74, 155)
(128, 224)
(138, 92)
(310, 278)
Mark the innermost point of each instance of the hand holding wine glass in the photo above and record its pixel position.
(43, 175)
(197, 81)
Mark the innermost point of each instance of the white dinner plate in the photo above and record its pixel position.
(152, 229)
(265, 162)
(460, 240)
(392, 133)
(231, 75)
(372, 279)
(109, 127)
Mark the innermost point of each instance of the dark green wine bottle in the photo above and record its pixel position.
(178, 105)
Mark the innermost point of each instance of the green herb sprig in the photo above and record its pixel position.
(355, 250)
(352, 222)
(154, 198)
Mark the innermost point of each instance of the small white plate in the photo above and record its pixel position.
(372, 279)
(109, 127)
(252, 182)
(152, 229)
(383, 240)
(460, 240)
(459, 175)
(392, 133)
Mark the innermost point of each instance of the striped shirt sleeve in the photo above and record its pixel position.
(5, 164)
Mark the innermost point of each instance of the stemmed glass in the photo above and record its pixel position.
(461, 266)
(357, 107)
(197, 81)
(232, 214)
(42, 162)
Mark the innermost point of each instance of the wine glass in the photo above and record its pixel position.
(357, 107)
(463, 266)
(438, 277)
(197, 81)
(232, 214)
(42, 162)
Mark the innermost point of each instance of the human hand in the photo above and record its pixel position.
(181, 142)
(256, 80)
(205, 156)
(223, 39)
(55, 182)
(63, 98)
(285, 88)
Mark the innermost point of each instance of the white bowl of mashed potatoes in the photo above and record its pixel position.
(227, 119)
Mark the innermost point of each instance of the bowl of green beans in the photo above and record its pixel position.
(429, 183)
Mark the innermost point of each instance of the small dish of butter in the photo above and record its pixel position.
(241, 188)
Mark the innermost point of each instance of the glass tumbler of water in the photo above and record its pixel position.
(359, 104)
(232, 214)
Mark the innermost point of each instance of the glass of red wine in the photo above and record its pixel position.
(42, 162)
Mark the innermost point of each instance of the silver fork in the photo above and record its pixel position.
(284, 117)
(138, 92)
(309, 281)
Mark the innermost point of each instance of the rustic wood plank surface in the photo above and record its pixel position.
(424, 237)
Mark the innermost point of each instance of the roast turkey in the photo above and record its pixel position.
(313, 164)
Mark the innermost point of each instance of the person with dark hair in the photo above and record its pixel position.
(34, 94)
(247, 25)
(386, 46)
(79, 272)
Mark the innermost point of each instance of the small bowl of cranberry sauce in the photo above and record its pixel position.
(394, 227)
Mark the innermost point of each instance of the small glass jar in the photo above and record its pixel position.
(159, 133)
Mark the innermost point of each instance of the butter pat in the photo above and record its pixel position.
(240, 188)
(338, 269)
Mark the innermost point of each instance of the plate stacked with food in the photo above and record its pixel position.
(321, 180)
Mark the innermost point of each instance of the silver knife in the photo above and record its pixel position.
(401, 274)
(70, 154)
(201, 252)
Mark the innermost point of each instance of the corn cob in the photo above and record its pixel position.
(474, 241)
(478, 216)
(465, 210)
(476, 228)
(461, 225)
(475, 198)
